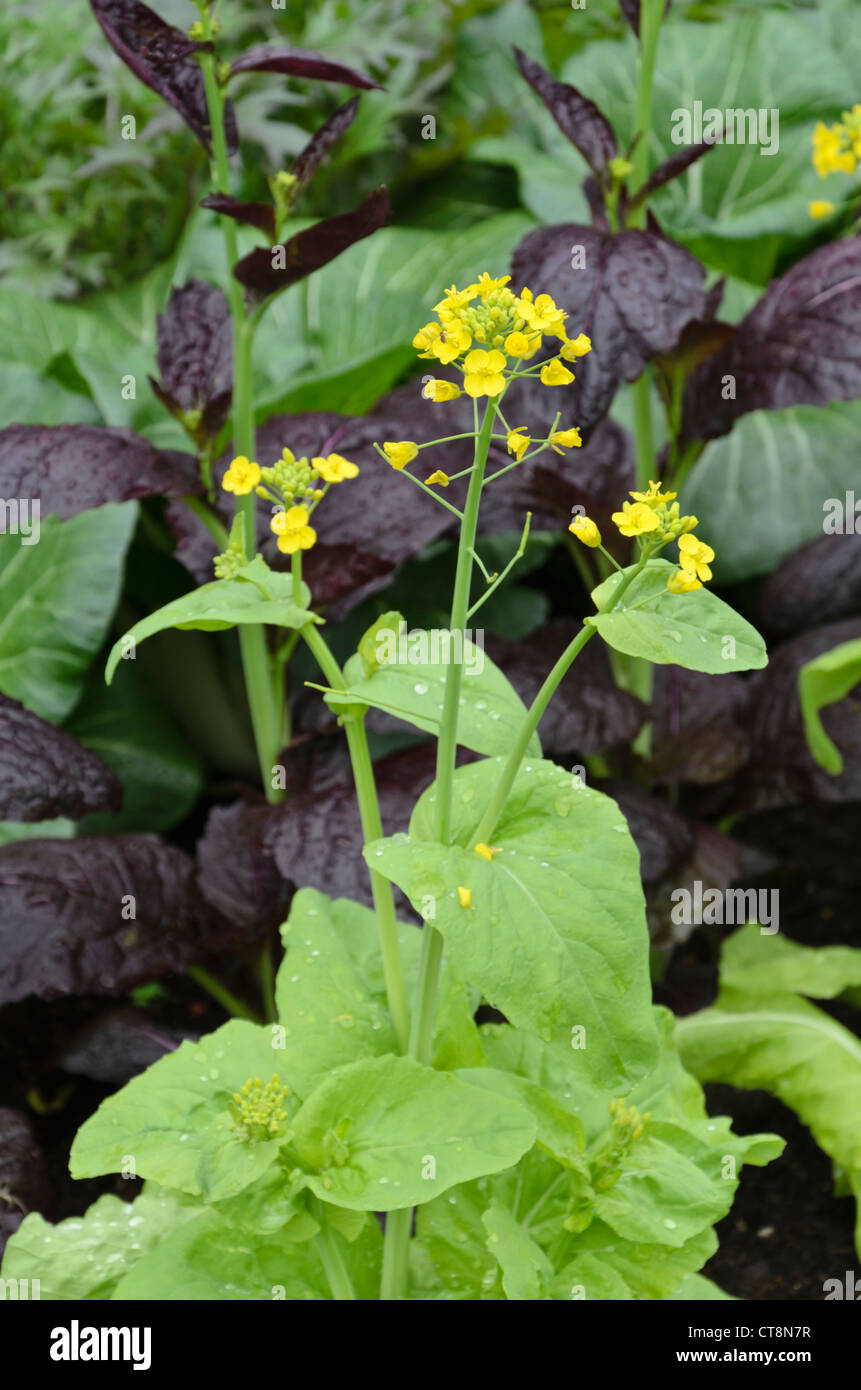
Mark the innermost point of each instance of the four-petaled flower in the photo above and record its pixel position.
(568, 439)
(400, 453)
(242, 476)
(292, 529)
(517, 442)
(436, 390)
(695, 557)
(636, 520)
(483, 372)
(576, 347)
(334, 468)
(553, 373)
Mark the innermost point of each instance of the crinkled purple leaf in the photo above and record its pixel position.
(578, 118)
(714, 863)
(698, 732)
(195, 355)
(163, 58)
(117, 1045)
(261, 272)
(317, 838)
(24, 1182)
(819, 583)
(310, 158)
(295, 62)
(73, 468)
(782, 770)
(259, 215)
(237, 873)
(62, 929)
(633, 297)
(588, 713)
(45, 773)
(664, 837)
(799, 345)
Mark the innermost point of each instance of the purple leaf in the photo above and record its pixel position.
(322, 141)
(116, 1045)
(237, 873)
(819, 583)
(195, 356)
(163, 58)
(45, 773)
(671, 168)
(698, 728)
(259, 215)
(293, 62)
(633, 296)
(72, 468)
(578, 118)
(24, 1182)
(268, 270)
(62, 923)
(799, 345)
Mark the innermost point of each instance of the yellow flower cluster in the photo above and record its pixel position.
(836, 150)
(294, 486)
(656, 514)
(259, 1110)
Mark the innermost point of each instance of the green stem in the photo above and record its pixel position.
(645, 445)
(488, 822)
(221, 994)
(330, 1253)
(651, 14)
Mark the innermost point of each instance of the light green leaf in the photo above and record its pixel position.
(698, 630)
(763, 964)
(760, 491)
(526, 1270)
(696, 1288)
(558, 1130)
(388, 1133)
(824, 681)
(490, 711)
(555, 935)
(85, 1256)
(222, 604)
(177, 1120)
(56, 601)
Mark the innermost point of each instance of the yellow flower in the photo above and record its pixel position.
(680, 582)
(542, 313)
(694, 556)
(518, 442)
(485, 285)
(519, 345)
(820, 207)
(464, 896)
(436, 390)
(486, 851)
(568, 439)
(292, 529)
(242, 476)
(654, 497)
(636, 520)
(554, 374)
(400, 453)
(484, 372)
(584, 528)
(442, 479)
(334, 468)
(576, 347)
(830, 150)
(455, 299)
(445, 343)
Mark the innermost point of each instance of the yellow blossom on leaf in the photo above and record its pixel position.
(518, 442)
(820, 207)
(554, 374)
(636, 520)
(681, 582)
(437, 390)
(568, 439)
(486, 851)
(695, 556)
(334, 468)
(576, 347)
(400, 453)
(584, 528)
(292, 529)
(440, 478)
(464, 896)
(483, 373)
(242, 476)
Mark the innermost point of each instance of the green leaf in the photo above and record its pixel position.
(804, 456)
(698, 630)
(696, 1288)
(177, 1120)
(388, 1133)
(56, 599)
(558, 1131)
(526, 1270)
(222, 604)
(490, 711)
(555, 935)
(824, 681)
(86, 1256)
(763, 964)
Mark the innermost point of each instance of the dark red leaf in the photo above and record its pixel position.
(322, 141)
(72, 468)
(294, 62)
(24, 1182)
(799, 345)
(259, 215)
(698, 732)
(671, 168)
(195, 356)
(268, 270)
(117, 1045)
(633, 297)
(237, 873)
(817, 584)
(45, 773)
(163, 58)
(578, 118)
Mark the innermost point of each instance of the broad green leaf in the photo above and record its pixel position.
(224, 603)
(56, 601)
(761, 491)
(177, 1121)
(558, 1130)
(696, 1288)
(388, 1133)
(824, 681)
(526, 1270)
(760, 964)
(84, 1257)
(698, 631)
(555, 934)
(606, 1267)
(490, 711)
